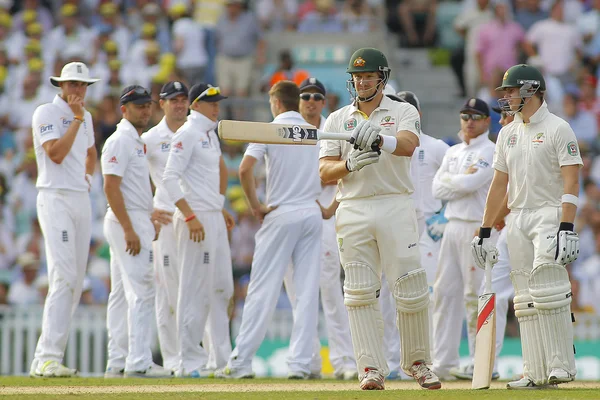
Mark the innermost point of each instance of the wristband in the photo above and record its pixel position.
(78, 118)
(485, 233)
(566, 226)
(347, 166)
(191, 217)
(570, 198)
(389, 143)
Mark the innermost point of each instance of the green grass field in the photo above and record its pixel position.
(279, 389)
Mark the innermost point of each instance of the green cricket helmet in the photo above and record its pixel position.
(523, 74)
(367, 59)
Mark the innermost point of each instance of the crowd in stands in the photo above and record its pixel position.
(221, 42)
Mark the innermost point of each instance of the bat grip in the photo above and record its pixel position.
(375, 145)
(488, 276)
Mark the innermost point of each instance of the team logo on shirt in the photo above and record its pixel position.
(417, 126)
(140, 152)
(177, 147)
(165, 146)
(205, 144)
(512, 140)
(387, 121)
(539, 138)
(113, 160)
(45, 128)
(350, 124)
(573, 149)
(421, 155)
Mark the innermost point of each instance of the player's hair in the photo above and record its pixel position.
(288, 93)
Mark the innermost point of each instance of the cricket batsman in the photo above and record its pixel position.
(538, 158)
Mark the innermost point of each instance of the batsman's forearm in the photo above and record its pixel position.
(504, 210)
(249, 186)
(90, 160)
(493, 205)
(223, 176)
(114, 196)
(332, 170)
(184, 207)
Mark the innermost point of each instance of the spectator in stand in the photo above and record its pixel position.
(323, 19)
(530, 12)
(33, 9)
(23, 291)
(589, 100)
(418, 21)
(277, 15)
(189, 44)
(3, 292)
(285, 72)
(555, 45)
(7, 247)
(583, 122)
(68, 34)
(152, 14)
(112, 24)
(357, 17)
(141, 71)
(239, 39)
(588, 23)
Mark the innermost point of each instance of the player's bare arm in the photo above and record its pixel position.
(495, 198)
(58, 149)
(114, 196)
(248, 182)
(570, 175)
(196, 228)
(331, 169)
(223, 176)
(329, 211)
(406, 143)
(90, 165)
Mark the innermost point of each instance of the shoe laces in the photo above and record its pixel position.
(422, 371)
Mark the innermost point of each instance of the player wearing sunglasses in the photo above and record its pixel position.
(462, 180)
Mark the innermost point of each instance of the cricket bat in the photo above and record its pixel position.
(485, 340)
(267, 133)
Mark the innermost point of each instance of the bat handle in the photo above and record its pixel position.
(488, 276)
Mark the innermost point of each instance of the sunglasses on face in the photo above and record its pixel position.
(474, 117)
(140, 91)
(211, 91)
(314, 96)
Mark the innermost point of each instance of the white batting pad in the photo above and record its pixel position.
(411, 292)
(361, 289)
(532, 344)
(551, 292)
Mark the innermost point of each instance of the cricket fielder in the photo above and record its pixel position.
(463, 180)
(291, 230)
(376, 222)
(174, 103)
(312, 102)
(129, 230)
(425, 162)
(63, 139)
(196, 179)
(538, 158)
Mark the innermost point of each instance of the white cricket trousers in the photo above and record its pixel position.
(65, 220)
(166, 269)
(339, 340)
(455, 290)
(205, 291)
(131, 300)
(294, 235)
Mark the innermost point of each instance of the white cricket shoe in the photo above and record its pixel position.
(527, 384)
(372, 380)
(234, 373)
(197, 373)
(114, 373)
(315, 375)
(33, 369)
(54, 369)
(424, 376)
(298, 375)
(347, 374)
(153, 371)
(559, 375)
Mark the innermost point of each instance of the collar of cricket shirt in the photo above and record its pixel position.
(201, 119)
(475, 141)
(538, 116)
(128, 129)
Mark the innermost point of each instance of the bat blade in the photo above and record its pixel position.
(268, 133)
(485, 340)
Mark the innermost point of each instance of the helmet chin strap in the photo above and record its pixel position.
(379, 88)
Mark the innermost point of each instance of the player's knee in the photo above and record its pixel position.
(523, 303)
(361, 285)
(411, 292)
(550, 287)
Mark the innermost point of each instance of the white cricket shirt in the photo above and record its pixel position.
(391, 175)
(193, 170)
(293, 181)
(532, 154)
(158, 142)
(424, 163)
(124, 155)
(466, 193)
(50, 122)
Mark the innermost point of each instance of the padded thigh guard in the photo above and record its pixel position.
(550, 289)
(361, 292)
(532, 344)
(411, 292)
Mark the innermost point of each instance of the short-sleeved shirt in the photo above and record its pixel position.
(158, 143)
(391, 175)
(532, 155)
(238, 38)
(50, 122)
(124, 155)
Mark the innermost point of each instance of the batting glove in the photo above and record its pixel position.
(436, 225)
(358, 159)
(354, 139)
(565, 244)
(482, 248)
(367, 136)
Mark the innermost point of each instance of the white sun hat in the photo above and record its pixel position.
(74, 71)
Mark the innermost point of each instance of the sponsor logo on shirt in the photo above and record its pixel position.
(177, 147)
(140, 152)
(421, 155)
(512, 140)
(482, 163)
(65, 122)
(206, 145)
(46, 128)
(539, 138)
(387, 121)
(350, 124)
(165, 146)
(113, 160)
